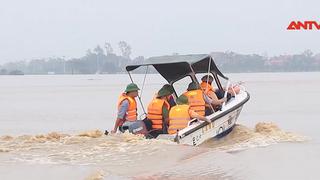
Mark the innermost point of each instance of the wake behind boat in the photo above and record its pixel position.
(175, 69)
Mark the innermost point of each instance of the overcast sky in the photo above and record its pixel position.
(42, 28)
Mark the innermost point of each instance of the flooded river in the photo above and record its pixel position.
(51, 127)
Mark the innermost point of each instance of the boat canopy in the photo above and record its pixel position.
(175, 67)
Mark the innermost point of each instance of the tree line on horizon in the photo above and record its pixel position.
(105, 61)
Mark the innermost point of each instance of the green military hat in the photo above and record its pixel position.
(131, 87)
(163, 92)
(182, 100)
(169, 88)
(193, 86)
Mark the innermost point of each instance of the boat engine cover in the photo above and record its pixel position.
(136, 127)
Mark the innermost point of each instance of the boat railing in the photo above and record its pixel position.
(242, 87)
(192, 121)
(225, 94)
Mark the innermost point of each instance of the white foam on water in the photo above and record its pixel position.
(242, 137)
(140, 155)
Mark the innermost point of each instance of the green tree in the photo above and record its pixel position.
(108, 48)
(125, 49)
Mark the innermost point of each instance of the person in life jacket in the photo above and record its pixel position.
(217, 96)
(198, 99)
(234, 89)
(181, 114)
(171, 100)
(158, 112)
(127, 107)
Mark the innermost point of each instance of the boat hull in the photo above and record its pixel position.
(217, 128)
(222, 122)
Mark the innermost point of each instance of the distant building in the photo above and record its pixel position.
(278, 60)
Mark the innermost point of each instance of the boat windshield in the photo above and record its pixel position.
(181, 85)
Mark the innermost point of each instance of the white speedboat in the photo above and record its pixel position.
(175, 68)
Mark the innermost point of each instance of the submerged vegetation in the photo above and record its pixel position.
(104, 60)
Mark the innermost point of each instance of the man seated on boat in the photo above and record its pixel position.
(199, 100)
(127, 107)
(181, 114)
(216, 95)
(158, 112)
(171, 100)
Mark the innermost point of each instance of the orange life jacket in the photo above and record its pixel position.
(206, 87)
(178, 118)
(196, 101)
(131, 114)
(155, 112)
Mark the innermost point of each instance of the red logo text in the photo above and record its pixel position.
(306, 25)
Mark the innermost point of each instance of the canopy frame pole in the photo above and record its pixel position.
(193, 74)
(138, 94)
(144, 80)
(209, 69)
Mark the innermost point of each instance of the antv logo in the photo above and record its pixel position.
(307, 25)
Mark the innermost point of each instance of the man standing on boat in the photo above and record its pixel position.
(158, 112)
(181, 114)
(127, 107)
